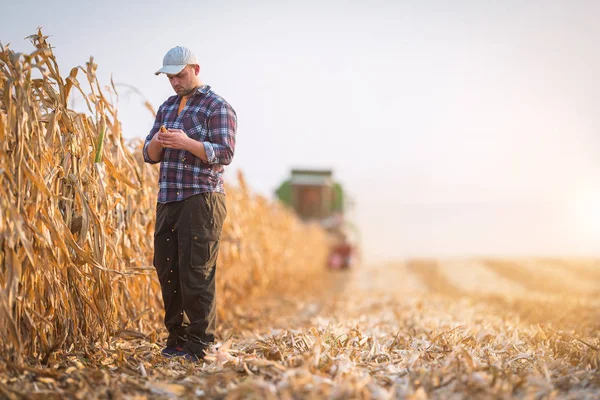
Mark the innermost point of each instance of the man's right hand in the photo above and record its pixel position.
(157, 139)
(155, 147)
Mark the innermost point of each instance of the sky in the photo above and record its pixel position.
(459, 128)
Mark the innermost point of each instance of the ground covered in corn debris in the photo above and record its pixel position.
(418, 329)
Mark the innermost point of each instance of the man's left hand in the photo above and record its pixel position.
(175, 139)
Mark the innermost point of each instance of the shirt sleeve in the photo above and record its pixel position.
(222, 127)
(153, 131)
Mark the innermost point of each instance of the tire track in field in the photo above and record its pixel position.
(385, 278)
(474, 277)
(538, 301)
(431, 276)
(558, 312)
(560, 272)
(577, 268)
(531, 280)
(550, 300)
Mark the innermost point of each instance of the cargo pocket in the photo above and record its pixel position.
(204, 251)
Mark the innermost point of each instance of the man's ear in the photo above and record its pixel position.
(196, 69)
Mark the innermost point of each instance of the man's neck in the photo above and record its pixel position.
(198, 85)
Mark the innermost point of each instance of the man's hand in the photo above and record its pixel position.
(155, 149)
(174, 139)
(156, 141)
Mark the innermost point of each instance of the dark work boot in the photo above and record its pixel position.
(175, 342)
(194, 350)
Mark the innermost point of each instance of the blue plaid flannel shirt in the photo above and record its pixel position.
(208, 118)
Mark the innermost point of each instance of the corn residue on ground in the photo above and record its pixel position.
(353, 341)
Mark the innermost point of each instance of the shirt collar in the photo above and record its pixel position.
(201, 90)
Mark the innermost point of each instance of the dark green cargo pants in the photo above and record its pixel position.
(186, 246)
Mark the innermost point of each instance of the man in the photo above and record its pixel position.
(193, 137)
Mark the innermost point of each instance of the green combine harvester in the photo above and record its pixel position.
(316, 197)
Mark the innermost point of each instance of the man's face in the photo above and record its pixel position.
(184, 82)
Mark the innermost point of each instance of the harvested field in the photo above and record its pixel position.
(80, 310)
(348, 342)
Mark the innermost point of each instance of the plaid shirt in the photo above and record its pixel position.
(208, 118)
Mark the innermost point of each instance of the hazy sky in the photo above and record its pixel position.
(459, 127)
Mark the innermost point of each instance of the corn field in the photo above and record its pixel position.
(77, 219)
(81, 312)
